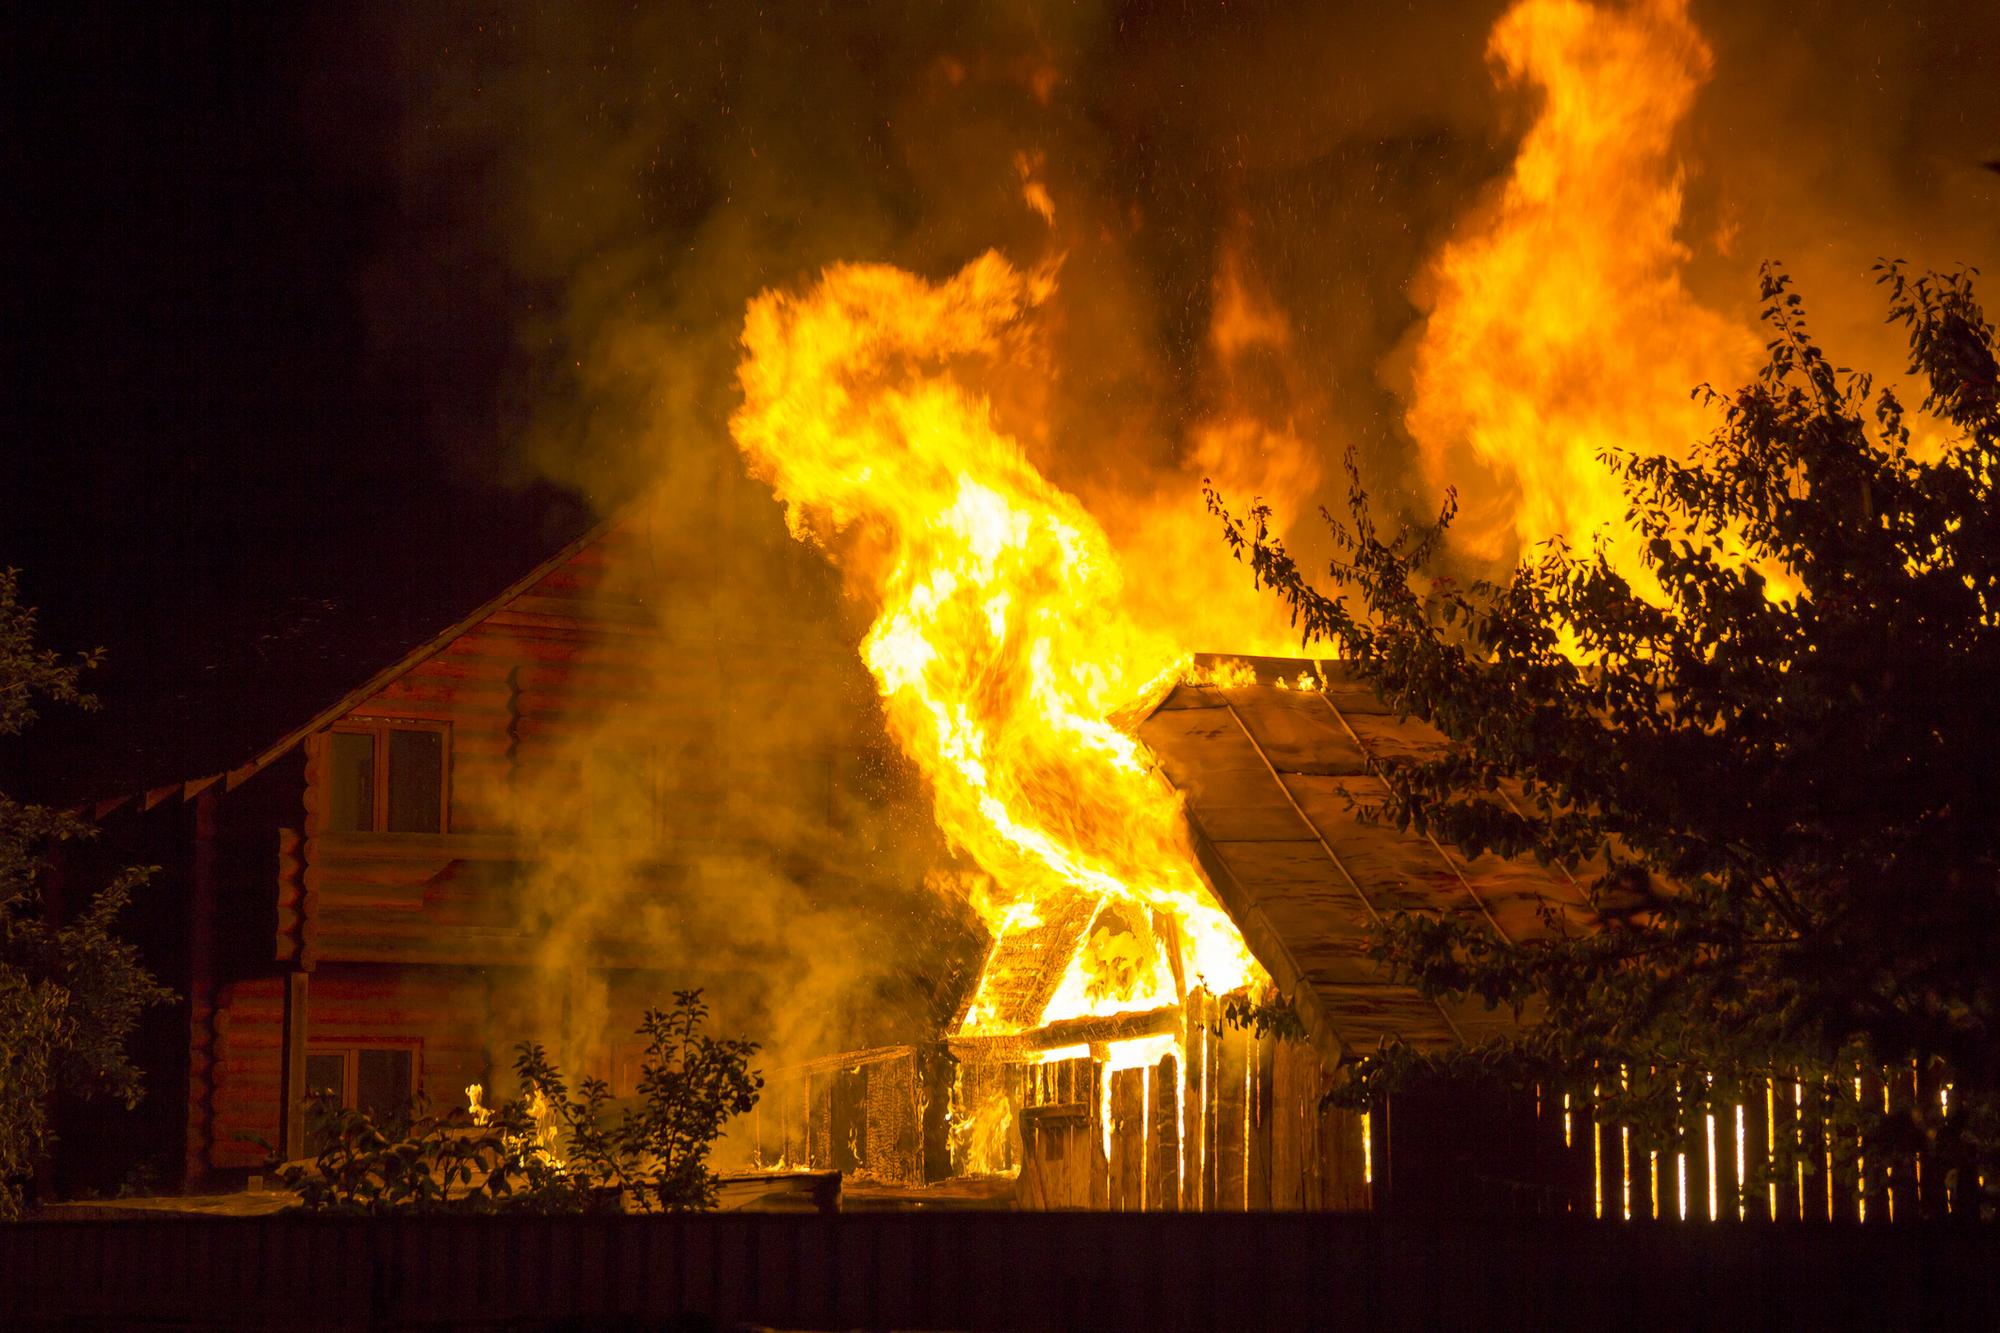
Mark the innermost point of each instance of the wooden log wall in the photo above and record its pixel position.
(438, 1017)
(525, 692)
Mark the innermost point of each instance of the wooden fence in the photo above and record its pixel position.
(993, 1271)
(1766, 1155)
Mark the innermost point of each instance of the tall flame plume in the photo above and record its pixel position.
(1560, 325)
(1002, 646)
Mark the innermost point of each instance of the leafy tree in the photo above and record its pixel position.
(70, 992)
(1771, 772)
(551, 1150)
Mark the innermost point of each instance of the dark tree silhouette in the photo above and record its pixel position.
(1773, 771)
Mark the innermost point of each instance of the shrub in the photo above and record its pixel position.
(551, 1150)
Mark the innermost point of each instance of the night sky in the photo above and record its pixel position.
(290, 292)
(213, 468)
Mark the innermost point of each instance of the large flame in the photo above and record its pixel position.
(1560, 325)
(1003, 647)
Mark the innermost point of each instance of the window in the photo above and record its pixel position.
(381, 1080)
(386, 778)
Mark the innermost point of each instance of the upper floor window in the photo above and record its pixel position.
(385, 777)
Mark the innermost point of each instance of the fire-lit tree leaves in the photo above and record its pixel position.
(71, 992)
(1770, 769)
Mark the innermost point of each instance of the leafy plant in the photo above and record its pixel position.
(71, 992)
(1770, 772)
(551, 1150)
(1264, 1015)
(419, 1162)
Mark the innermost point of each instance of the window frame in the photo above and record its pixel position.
(350, 1064)
(378, 729)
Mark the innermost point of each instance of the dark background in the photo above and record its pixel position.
(210, 468)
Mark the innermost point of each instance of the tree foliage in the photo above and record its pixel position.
(550, 1150)
(1769, 765)
(71, 992)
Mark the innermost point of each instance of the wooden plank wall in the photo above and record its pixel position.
(1251, 1134)
(247, 1091)
(863, 1118)
(1247, 1131)
(523, 692)
(438, 1016)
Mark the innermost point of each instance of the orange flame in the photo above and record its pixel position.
(1002, 645)
(1560, 326)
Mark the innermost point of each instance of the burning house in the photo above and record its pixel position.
(1092, 1061)
(359, 915)
(579, 792)
(528, 825)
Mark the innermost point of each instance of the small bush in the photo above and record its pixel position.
(550, 1150)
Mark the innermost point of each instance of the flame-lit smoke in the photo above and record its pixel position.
(1560, 325)
(1003, 645)
(1242, 195)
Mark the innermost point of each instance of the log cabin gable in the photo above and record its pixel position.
(576, 710)
(414, 820)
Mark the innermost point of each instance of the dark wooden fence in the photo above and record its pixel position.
(987, 1271)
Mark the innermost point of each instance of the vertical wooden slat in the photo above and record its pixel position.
(1674, 1174)
(1895, 1169)
(1344, 1161)
(819, 1120)
(1847, 1172)
(1816, 1187)
(1929, 1180)
(1231, 1112)
(1639, 1148)
(1128, 1141)
(1785, 1131)
(1163, 1169)
(1696, 1140)
(1605, 1161)
(292, 1139)
(1195, 1113)
(1731, 1204)
(1093, 1091)
(1257, 1164)
(1289, 1125)
(1757, 1104)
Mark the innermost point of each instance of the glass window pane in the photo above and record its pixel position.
(350, 782)
(326, 1073)
(416, 782)
(382, 1081)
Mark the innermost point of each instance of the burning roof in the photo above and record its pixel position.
(1271, 769)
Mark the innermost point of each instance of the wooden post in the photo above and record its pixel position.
(292, 1133)
(1100, 1127)
(1262, 1110)
(1232, 1109)
(1289, 1125)
(1128, 1141)
(1163, 1168)
(201, 993)
(1195, 1111)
